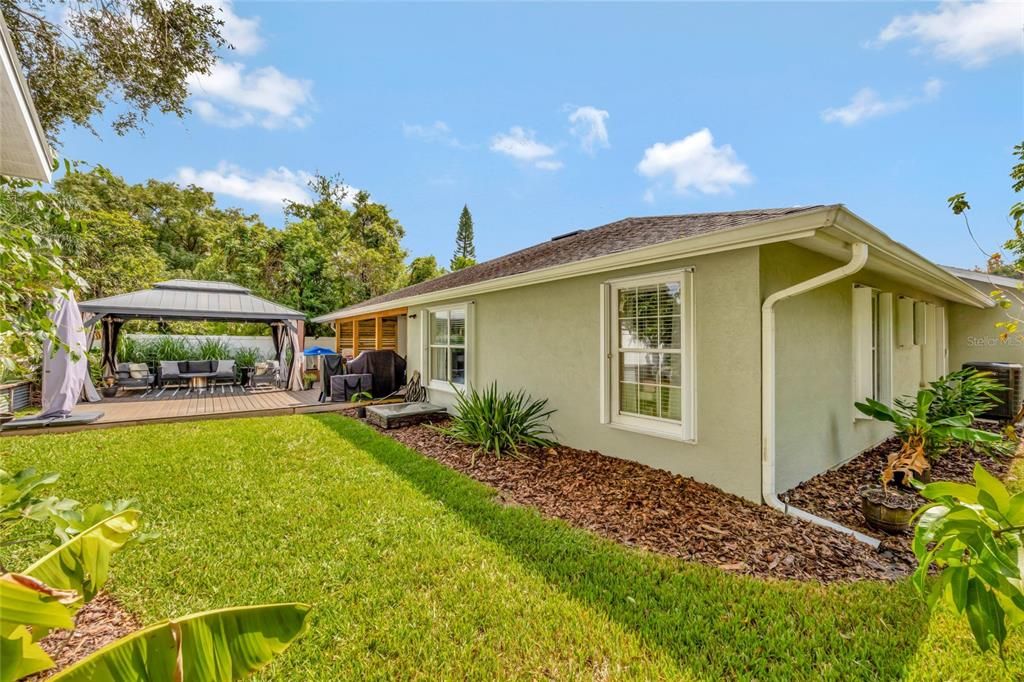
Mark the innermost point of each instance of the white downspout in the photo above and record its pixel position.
(858, 258)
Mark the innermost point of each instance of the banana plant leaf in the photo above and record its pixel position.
(82, 563)
(215, 646)
(25, 602)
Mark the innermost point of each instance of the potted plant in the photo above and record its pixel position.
(363, 397)
(922, 433)
(888, 510)
(308, 379)
(109, 389)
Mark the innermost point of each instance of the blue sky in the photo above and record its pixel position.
(545, 118)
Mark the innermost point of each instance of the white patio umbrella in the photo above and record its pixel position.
(66, 370)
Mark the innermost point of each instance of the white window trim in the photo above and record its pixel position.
(444, 386)
(872, 346)
(684, 431)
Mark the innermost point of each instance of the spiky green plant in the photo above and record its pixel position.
(247, 357)
(500, 423)
(170, 348)
(213, 349)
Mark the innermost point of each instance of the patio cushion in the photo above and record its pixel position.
(225, 368)
(200, 366)
(170, 368)
(138, 370)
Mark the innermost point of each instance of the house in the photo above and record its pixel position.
(24, 151)
(974, 336)
(686, 342)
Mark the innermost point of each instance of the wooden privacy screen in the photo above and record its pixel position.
(368, 333)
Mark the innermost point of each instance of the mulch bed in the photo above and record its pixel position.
(833, 494)
(97, 624)
(662, 512)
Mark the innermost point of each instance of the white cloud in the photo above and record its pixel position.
(867, 103)
(231, 96)
(588, 125)
(522, 145)
(694, 162)
(549, 164)
(272, 187)
(438, 131)
(243, 33)
(970, 33)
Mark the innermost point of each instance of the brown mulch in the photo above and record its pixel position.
(662, 512)
(833, 494)
(97, 624)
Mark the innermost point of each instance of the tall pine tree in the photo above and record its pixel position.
(465, 252)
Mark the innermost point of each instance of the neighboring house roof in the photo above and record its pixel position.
(985, 277)
(635, 241)
(192, 300)
(621, 236)
(24, 150)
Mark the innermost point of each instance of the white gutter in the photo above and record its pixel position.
(858, 259)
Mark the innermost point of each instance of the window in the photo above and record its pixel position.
(649, 363)
(446, 348)
(872, 344)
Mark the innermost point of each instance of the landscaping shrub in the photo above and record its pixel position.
(500, 423)
(965, 391)
(247, 357)
(975, 534)
(130, 349)
(169, 348)
(213, 349)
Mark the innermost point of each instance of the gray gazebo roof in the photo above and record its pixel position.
(188, 299)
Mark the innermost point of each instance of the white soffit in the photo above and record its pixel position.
(24, 151)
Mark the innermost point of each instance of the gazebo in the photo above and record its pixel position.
(197, 300)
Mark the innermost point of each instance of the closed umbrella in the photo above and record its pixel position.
(64, 371)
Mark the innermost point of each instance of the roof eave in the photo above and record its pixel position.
(910, 264)
(784, 228)
(11, 67)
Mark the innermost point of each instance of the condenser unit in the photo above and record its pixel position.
(1012, 377)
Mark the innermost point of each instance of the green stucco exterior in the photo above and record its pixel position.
(974, 336)
(546, 339)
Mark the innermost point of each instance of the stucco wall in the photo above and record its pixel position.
(973, 335)
(545, 338)
(818, 427)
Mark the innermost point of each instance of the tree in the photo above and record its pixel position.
(114, 254)
(78, 55)
(1008, 300)
(423, 269)
(465, 251)
(184, 221)
(34, 271)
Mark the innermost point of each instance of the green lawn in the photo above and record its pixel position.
(415, 572)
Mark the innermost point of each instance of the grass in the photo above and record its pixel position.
(416, 572)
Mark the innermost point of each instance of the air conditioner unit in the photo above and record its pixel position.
(1012, 377)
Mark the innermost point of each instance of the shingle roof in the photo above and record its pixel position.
(192, 300)
(621, 236)
(984, 277)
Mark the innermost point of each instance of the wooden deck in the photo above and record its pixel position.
(135, 409)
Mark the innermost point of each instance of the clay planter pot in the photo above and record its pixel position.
(109, 391)
(887, 511)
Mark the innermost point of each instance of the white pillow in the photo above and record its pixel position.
(138, 370)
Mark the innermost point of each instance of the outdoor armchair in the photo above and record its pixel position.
(132, 375)
(266, 373)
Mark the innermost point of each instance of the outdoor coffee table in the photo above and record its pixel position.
(196, 380)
